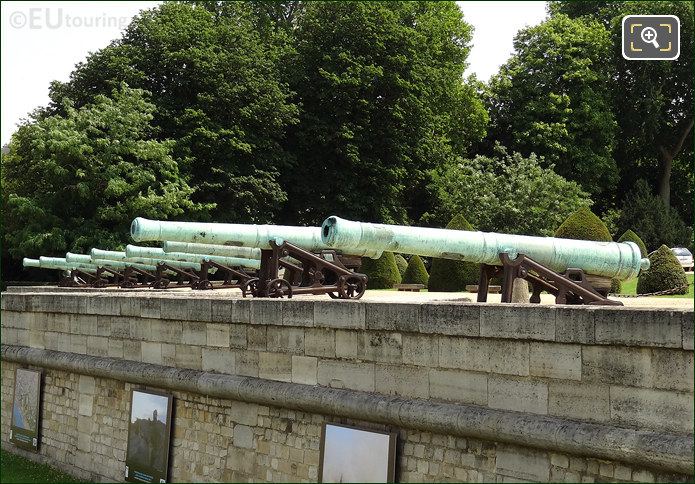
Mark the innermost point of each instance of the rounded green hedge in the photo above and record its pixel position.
(452, 275)
(584, 225)
(416, 272)
(401, 263)
(382, 272)
(665, 273)
(630, 236)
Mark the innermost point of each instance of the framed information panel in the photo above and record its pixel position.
(24, 430)
(349, 454)
(149, 432)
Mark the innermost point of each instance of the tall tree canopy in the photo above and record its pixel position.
(652, 102)
(552, 98)
(76, 181)
(218, 93)
(383, 100)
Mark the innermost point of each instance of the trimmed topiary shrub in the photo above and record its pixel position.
(665, 273)
(630, 236)
(416, 272)
(401, 263)
(383, 272)
(584, 225)
(453, 275)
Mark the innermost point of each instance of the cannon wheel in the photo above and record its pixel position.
(204, 285)
(161, 284)
(334, 295)
(279, 288)
(129, 284)
(250, 287)
(351, 287)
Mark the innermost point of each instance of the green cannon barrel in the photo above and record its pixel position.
(154, 253)
(122, 264)
(609, 259)
(210, 249)
(116, 256)
(241, 235)
(84, 258)
(107, 254)
(58, 263)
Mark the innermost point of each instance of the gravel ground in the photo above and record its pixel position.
(371, 295)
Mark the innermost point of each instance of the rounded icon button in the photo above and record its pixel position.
(649, 35)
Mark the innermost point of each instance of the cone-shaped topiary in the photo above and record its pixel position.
(416, 272)
(665, 273)
(401, 263)
(630, 236)
(584, 225)
(383, 272)
(453, 275)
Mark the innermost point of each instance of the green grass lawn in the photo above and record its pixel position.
(14, 468)
(630, 287)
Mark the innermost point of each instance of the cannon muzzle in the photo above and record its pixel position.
(609, 259)
(240, 235)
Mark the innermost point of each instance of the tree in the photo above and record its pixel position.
(416, 272)
(552, 98)
(664, 273)
(401, 263)
(383, 101)
(630, 236)
(657, 224)
(382, 272)
(584, 225)
(505, 193)
(448, 275)
(218, 93)
(77, 181)
(652, 102)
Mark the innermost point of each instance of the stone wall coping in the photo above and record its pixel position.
(669, 328)
(666, 451)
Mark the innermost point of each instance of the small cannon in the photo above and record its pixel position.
(311, 267)
(559, 266)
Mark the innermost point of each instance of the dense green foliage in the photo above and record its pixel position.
(664, 273)
(646, 214)
(382, 272)
(77, 181)
(382, 102)
(416, 272)
(452, 275)
(504, 193)
(287, 112)
(630, 236)
(401, 263)
(652, 102)
(552, 98)
(14, 468)
(584, 225)
(218, 94)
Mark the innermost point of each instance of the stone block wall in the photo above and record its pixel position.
(85, 421)
(614, 367)
(625, 367)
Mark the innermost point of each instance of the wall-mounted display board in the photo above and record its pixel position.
(349, 454)
(149, 432)
(24, 431)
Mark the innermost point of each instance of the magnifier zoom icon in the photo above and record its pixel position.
(648, 35)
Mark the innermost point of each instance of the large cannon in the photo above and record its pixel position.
(316, 268)
(211, 249)
(559, 266)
